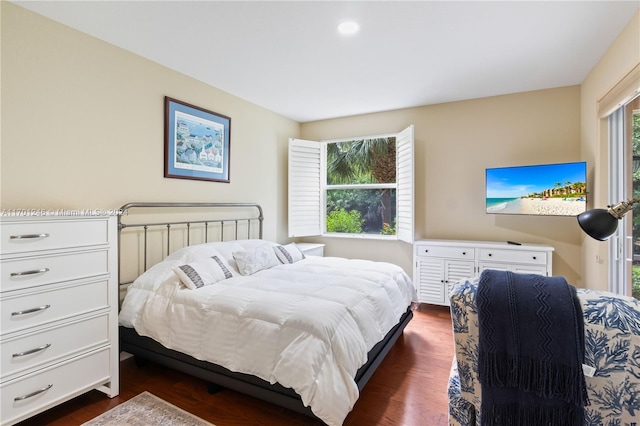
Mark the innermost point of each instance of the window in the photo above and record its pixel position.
(360, 190)
(635, 182)
(624, 249)
(619, 107)
(357, 187)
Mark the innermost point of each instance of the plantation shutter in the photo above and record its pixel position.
(404, 192)
(304, 188)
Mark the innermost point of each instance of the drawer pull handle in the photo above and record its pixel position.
(30, 311)
(490, 255)
(464, 253)
(29, 395)
(534, 258)
(31, 272)
(32, 351)
(28, 236)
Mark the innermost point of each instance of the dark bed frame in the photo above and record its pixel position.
(145, 348)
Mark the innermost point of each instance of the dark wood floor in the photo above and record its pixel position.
(409, 388)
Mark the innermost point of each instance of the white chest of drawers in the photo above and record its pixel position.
(58, 311)
(439, 264)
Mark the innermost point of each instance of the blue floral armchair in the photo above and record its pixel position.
(612, 347)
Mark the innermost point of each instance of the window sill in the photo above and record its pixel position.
(362, 236)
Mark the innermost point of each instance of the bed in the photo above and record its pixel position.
(248, 314)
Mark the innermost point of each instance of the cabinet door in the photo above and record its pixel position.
(430, 280)
(455, 271)
(436, 277)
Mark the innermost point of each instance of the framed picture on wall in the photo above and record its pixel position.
(197, 142)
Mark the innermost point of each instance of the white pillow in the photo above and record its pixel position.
(254, 260)
(289, 253)
(203, 272)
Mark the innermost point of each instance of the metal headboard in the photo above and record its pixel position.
(207, 219)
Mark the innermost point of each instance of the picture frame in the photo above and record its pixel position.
(197, 142)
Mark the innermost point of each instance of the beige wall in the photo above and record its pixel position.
(454, 144)
(619, 59)
(82, 127)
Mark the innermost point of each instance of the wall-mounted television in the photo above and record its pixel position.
(543, 190)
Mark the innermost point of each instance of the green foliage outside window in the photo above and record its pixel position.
(345, 222)
(388, 229)
(635, 274)
(369, 202)
(636, 176)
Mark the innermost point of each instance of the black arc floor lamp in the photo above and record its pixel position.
(602, 223)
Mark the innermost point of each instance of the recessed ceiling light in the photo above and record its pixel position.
(348, 28)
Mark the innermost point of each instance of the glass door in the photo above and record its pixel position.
(632, 133)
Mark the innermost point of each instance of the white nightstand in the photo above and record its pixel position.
(311, 249)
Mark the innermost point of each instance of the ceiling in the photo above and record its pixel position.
(287, 56)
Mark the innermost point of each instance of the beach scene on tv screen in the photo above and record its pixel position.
(550, 189)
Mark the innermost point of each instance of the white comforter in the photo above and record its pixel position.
(307, 326)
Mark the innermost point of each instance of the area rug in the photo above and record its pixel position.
(146, 409)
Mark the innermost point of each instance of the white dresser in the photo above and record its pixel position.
(439, 264)
(58, 311)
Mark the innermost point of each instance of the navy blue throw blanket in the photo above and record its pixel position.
(531, 351)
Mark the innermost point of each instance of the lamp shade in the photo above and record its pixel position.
(598, 223)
